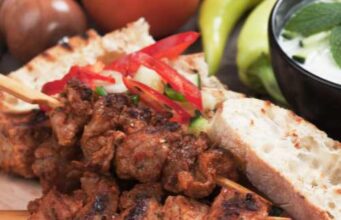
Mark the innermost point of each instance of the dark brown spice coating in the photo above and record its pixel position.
(67, 122)
(97, 199)
(233, 205)
(54, 168)
(181, 174)
(144, 209)
(111, 134)
(55, 205)
(142, 155)
(140, 143)
(180, 207)
(101, 200)
(19, 137)
(141, 191)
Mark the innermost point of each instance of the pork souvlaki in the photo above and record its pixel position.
(101, 145)
(128, 143)
(144, 133)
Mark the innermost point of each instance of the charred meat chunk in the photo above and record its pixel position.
(100, 135)
(200, 182)
(180, 172)
(97, 199)
(101, 197)
(55, 205)
(141, 191)
(133, 119)
(180, 207)
(234, 205)
(220, 161)
(144, 209)
(54, 167)
(142, 155)
(67, 122)
(20, 135)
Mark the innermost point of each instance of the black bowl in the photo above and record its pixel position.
(310, 96)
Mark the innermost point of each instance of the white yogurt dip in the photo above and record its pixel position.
(316, 52)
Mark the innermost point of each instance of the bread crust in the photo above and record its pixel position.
(82, 50)
(263, 175)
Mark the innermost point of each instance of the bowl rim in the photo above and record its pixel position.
(298, 67)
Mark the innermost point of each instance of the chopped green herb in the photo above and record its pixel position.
(135, 99)
(335, 44)
(299, 59)
(197, 123)
(315, 40)
(315, 18)
(288, 35)
(101, 91)
(199, 81)
(197, 114)
(301, 43)
(172, 94)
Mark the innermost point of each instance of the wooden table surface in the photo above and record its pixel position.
(16, 192)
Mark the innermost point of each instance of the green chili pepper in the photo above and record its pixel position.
(101, 91)
(217, 19)
(172, 94)
(253, 56)
(135, 99)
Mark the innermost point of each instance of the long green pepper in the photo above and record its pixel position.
(253, 55)
(217, 19)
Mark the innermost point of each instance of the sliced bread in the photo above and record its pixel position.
(295, 164)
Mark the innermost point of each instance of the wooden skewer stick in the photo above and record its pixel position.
(224, 182)
(14, 215)
(25, 93)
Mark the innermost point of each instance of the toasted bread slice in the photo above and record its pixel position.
(84, 50)
(89, 48)
(81, 50)
(295, 164)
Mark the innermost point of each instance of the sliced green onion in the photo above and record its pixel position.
(299, 58)
(199, 81)
(135, 99)
(101, 91)
(288, 35)
(172, 94)
(198, 124)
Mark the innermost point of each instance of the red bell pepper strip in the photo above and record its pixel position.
(178, 82)
(169, 47)
(172, 46)
(156, 100)
(84, 74)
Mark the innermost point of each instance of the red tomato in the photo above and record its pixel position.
(164, 16)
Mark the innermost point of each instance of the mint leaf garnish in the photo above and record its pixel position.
(315, 18)
(335, 44)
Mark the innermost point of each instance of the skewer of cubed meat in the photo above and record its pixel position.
(99, 198)
(86, 133)
(111, 133)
